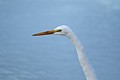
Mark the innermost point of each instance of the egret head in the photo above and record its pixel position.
(60, 30)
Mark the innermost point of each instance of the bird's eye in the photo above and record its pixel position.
(58, 30)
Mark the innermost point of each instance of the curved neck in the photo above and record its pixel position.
(87, 68)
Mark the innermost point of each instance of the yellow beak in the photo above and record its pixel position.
(46, 32)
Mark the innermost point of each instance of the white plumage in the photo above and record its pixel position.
(66, 31)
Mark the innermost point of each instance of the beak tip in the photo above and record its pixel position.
(34, 35)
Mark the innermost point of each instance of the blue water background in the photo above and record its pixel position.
(24, 57)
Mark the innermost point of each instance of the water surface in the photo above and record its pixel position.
(23, 57)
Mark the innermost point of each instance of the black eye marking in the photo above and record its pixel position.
(58, 30)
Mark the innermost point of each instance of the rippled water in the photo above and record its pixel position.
(23, 57)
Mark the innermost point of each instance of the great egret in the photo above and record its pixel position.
(66, 31)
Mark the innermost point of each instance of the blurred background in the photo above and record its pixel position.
(24, 57)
